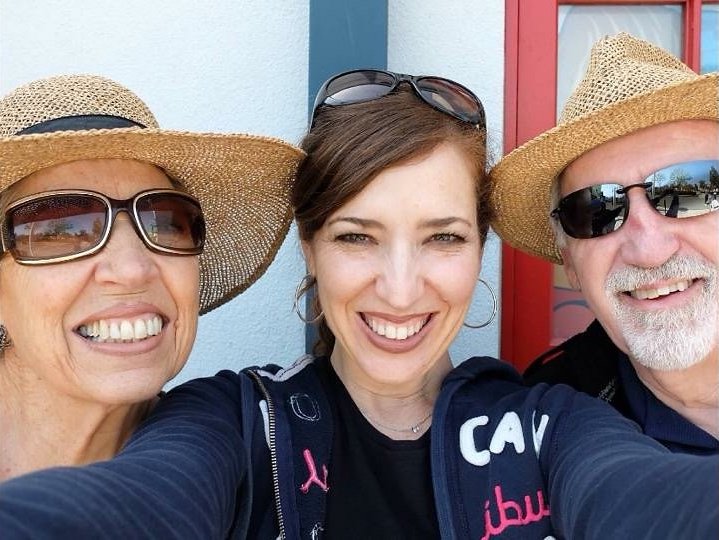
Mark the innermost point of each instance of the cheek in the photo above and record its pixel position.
(39, 297)
(704, 238)
(590, 260)
(182, 278)
(35, 304)
(460, 287)
(588, 270)
(337, 287)
(344, 284)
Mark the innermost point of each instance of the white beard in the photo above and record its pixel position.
(675, 339)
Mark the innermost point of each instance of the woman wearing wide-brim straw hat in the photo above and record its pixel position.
(630, 84)
(116, 234)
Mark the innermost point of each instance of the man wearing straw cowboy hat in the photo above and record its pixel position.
(636, 147)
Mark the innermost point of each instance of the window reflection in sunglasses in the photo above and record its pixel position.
(63, 225)
(678, 191)
(57, 226)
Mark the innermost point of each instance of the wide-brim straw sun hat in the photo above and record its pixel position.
(242, 181)
(630, 84)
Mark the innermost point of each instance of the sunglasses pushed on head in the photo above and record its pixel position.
(362, 85)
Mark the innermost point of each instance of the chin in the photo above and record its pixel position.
(129, 389)
(675, 351)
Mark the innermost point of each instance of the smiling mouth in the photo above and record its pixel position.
(651, 294)
(395, 331)
(121, 330)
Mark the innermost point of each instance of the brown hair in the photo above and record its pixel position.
(349, 145)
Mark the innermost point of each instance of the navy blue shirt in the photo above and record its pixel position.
(591, 363)
(659, 421)
(507, 462)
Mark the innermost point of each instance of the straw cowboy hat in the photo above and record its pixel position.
(630, 84)
(242, 181)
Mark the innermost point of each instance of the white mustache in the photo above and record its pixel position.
(677, 267)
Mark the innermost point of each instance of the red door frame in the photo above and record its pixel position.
(530, 97)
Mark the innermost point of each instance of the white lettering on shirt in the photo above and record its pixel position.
(508, 431)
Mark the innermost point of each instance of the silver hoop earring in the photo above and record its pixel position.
(305, 284)
(495, 307)
(4, 338)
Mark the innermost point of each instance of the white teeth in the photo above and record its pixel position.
(643, 294)
(392, 331)
(156, 323)
(126, 330)
(115, 331)
(122, 330)
(140, 329)
(104, 330)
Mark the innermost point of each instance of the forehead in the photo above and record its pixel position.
(438, 182)
(632, 157)
(118, 178)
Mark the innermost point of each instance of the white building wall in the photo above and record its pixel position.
(241, 66)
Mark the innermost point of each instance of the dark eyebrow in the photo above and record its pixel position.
(444, 222)
(356, 221)
(426, 224)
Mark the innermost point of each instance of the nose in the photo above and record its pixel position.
(125, 259)
(649, 239)
(400, 282)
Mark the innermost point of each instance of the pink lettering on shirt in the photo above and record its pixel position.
(314, 478)
(511, 513)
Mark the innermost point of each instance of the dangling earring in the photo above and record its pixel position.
(4, 338)
(495, 307)
(305, 284)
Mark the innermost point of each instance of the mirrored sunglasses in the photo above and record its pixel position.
(682, 190)
(59, 226)
(369, 84)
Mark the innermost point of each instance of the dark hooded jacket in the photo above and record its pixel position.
(243, 455)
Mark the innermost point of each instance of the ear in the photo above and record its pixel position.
(569, 270)
(309, 259)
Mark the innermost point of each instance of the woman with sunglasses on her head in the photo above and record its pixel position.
(379, 436)
(104, 261)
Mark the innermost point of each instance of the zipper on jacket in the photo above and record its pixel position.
(439, 466)
(273, 450)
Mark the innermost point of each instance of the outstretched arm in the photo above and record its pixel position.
(607, 480)
(179, 476)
